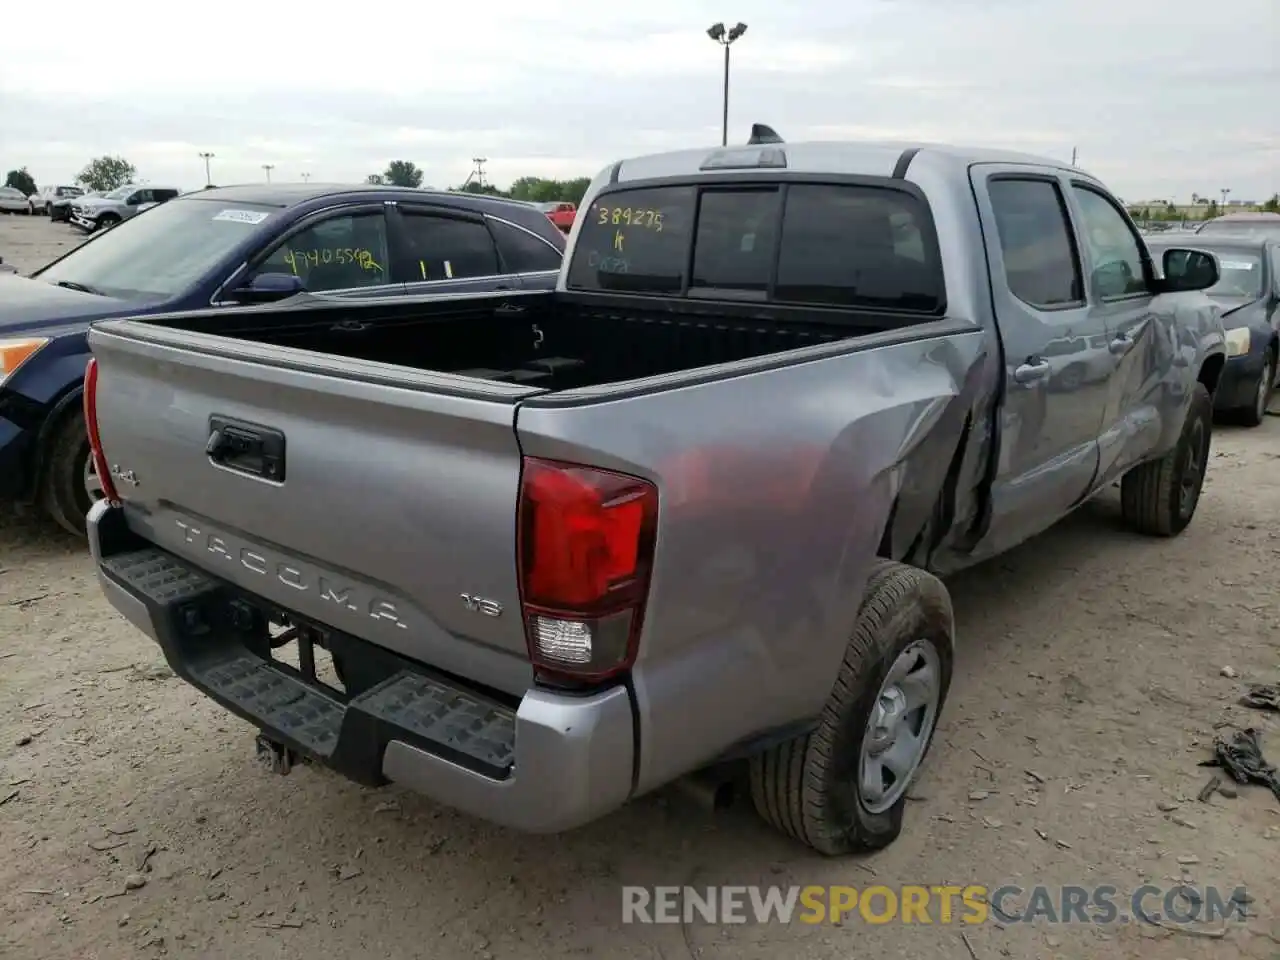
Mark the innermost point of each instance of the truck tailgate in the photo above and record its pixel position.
(375, 508)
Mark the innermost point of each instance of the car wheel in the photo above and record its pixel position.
(1253, 415)
(106, 221)
(1160, 497)
(70, 484)
(843, 787)
(48, 210)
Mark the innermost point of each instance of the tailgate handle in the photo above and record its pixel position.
(247, 448)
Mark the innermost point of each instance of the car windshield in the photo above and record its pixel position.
(162, 252)
(69, 191)
(549, 207)
(119, 193)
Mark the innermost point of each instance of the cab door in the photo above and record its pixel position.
(1053, 400)
(1139, 329)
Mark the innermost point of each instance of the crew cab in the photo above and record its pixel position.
(223, 248)
(686, 512)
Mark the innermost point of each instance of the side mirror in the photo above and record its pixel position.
(1189, 270)
(268, 288)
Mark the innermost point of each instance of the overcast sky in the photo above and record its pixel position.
(1161, 97)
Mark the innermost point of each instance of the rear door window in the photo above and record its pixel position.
(447, 248)
(805, 244)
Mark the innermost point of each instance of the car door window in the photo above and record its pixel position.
(447, 248)
(339, 253)
(1115, 251)
(1041, 264)
(522, 252)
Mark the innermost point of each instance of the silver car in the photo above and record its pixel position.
(14, 201)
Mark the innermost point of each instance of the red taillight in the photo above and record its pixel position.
(91, 425)
(586, 543)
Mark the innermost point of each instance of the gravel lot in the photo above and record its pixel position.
(1090, 657)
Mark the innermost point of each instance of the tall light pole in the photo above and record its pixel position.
(1224, 191)
(305, 176)
(725, 38)
(206, 157)
(268, 167)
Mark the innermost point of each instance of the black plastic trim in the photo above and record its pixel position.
(904, 162)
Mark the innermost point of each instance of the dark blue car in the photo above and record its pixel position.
(1249, 293)
(233, 246)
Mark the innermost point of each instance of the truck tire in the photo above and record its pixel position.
(816, 788)
(106, 221)
(1254, 414)
(64, 492)
(1159, 497)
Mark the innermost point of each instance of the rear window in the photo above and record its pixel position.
(804, 244)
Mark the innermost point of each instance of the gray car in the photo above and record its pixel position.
(687, 512)
(116, 206)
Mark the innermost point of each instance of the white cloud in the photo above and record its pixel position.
(1159, 98)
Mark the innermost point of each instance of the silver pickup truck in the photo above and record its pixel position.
(684, 516)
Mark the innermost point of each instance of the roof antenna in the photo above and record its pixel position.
(762, 133)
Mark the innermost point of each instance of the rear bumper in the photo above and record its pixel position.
(549, 764)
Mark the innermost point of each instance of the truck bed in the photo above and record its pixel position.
(545, 340)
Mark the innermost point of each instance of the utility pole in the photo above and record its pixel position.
(1073, 156)
(478, 173)
(268, 167)
(725, 38)
(206, 157)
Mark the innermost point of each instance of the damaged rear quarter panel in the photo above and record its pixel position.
(774, 491)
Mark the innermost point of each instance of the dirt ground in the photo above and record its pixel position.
(134, 821)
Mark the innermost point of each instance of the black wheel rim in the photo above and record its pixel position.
(1193, 468)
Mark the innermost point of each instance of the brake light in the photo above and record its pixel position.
(95, 438)
(586, 541)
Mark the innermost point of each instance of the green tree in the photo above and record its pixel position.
(21, 179)
(107, 173)
(545, 190)
(1272, 205)
(376, 179)
(403, 173)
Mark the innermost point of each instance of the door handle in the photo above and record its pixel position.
(1122, 344)
(1031, 371)
(246, 448)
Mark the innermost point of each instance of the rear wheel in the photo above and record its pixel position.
(70, 484)
(1159, 498)
(843, 787)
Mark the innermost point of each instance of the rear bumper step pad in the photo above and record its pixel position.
(196, 623)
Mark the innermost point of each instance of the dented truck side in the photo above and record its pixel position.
(550, 596)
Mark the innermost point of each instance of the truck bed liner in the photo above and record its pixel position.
(553, 341)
